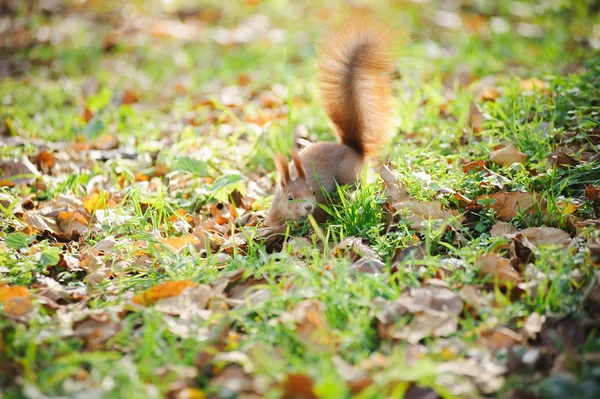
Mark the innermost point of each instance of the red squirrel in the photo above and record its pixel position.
(355, 72)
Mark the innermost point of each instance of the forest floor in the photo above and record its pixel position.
(137, 165)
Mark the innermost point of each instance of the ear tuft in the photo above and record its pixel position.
(282, 168)
(298, 164)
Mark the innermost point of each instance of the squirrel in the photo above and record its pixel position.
(355, 73)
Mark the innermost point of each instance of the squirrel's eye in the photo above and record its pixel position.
(314, 192)
(290, 198)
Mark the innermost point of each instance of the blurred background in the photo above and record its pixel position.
(169, 65)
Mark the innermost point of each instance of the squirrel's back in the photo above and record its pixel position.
(356, 65)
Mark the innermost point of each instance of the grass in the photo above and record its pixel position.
(208, 117)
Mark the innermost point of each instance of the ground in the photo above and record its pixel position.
(137, 166)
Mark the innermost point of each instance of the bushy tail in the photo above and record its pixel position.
(356, 65)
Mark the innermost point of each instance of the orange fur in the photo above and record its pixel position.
(283, 170)
(356, 65)
(298, 164)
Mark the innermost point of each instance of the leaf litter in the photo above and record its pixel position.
(112, 240)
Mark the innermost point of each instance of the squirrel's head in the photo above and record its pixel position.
(295, 197)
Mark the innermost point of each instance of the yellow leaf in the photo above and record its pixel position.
(161, 291)
(15, 299)
(192, 393)
(94, 201)
(179, 242)
(534, 84)
(569, 208)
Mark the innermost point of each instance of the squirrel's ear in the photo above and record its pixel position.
(298, 164)
(282, 168)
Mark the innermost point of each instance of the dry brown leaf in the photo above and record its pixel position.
(129, 97)
(508, 205)
(540, 236)
(369, 266)
(355, 248)
(592, 193)
(564, 161)
(507, 156)
(86, 114)
(476, 117)
(435, 308)
(418, 213)
(395, 189)
(298, 386)
(311, 324)
(431, 323)
(533, 325)
(106, 142)
(499, 269)
(472, 297)
(15, 300)
(163, 290)
(44, 161)
(484, 371)
(37, 222)
(18, 172)
(73, 224)
(96, 329)
(489, 94)
(499, 338)
(177, 243)
(534, 84)
(502, 228)
(188, 304)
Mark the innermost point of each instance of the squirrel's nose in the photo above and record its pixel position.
(308, 207)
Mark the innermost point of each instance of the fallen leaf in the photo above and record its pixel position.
(37, 222)
(18, 172)
(368, 266)
(177, 243)
(499, 269)
(564, 161)
(129, 97)
(540, 236)
(311, 324)
(45, 161)
(489, 94)
(415, 252)
(106, 142)
(502, 228)
(189, 303)
(96, 201)
(476, 117)
(355, 248)
(509, 205)
(484, 371)
(96, 329)
(499, 338)
(298, 386)
(507, 156)
(592, 193)
(395, 190)
(475, 166)
(435, 309)
(533, 84)
(86, 114)
(418, 213)
(15, 299)
(533, 325)
(164, 290)
(73, 224)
